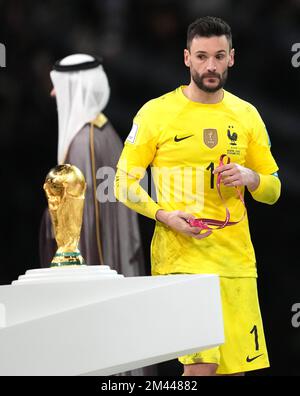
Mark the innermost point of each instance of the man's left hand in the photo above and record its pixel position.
(233, 175)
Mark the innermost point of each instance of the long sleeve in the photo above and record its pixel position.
(268, 190)
(138, 153)
(128, 191)
(260, 159)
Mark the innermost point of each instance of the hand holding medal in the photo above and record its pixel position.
(211, 224)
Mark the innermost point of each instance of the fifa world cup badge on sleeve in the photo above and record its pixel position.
(132, 134)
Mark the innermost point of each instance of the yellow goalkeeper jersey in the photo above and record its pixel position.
(182, 141)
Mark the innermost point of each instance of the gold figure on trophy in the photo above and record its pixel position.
(65, 190)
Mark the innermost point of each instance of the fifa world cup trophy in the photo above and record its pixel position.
(65, 190)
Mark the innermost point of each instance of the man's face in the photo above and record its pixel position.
(208, 60)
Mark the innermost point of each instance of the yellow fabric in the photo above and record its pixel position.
(268, 190)
(182, 141)
(243, 329)
(128, 189)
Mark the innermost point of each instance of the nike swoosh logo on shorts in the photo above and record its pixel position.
(251, 359)
(177, 139)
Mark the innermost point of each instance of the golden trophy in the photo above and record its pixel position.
(65, 188)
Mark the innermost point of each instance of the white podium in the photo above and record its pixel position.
(91, 325)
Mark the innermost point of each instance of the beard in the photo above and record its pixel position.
(199, 80)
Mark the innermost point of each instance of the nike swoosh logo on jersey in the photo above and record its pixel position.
(177, 139)
(251, 359)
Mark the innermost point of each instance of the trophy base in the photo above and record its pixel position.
(67, 274)
(67, 258)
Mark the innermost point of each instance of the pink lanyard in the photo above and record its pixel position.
(217, 224)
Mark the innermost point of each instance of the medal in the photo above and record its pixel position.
(204, 224)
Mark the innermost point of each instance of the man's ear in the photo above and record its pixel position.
(231, 57)
(186, 55)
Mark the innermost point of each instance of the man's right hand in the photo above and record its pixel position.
(177, 220)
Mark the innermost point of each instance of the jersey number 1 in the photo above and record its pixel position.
(254, 330)
(211, 167)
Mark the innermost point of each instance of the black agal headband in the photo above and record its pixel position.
(79, 66)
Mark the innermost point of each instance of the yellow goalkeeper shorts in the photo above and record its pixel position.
(244, 348)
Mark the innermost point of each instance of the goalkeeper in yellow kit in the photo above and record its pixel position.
(182, 136)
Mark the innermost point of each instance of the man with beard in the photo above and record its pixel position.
(205, 146)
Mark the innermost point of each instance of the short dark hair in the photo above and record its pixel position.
(208, 26)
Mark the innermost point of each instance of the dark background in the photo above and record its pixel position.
(142, 45)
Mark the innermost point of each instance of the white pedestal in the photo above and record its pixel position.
(67, 274)
(103, 326)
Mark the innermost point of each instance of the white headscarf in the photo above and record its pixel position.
(81, 95)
